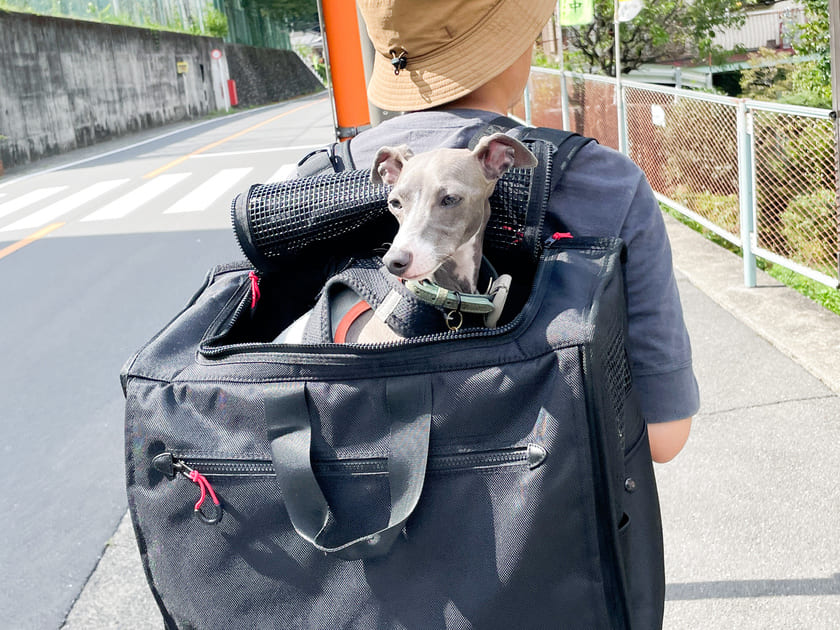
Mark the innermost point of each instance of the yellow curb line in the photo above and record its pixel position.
(29, 239)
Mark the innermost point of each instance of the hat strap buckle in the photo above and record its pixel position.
(398, 61)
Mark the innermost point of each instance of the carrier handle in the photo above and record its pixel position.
(409, 403)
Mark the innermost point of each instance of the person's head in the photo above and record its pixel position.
(437, 52)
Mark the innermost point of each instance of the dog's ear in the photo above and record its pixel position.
(497, 153)
(388, 164)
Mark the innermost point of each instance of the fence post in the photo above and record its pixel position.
(527, 100)
(746, 194)
(564, 101)
(622, 119)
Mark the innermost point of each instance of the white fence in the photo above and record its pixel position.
(760, 175)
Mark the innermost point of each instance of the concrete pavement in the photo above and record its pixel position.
(749, 507)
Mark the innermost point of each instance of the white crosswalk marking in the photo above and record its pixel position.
(200, 198)
(126, 204)
(28, 199)
(63, 206)
(287, 171)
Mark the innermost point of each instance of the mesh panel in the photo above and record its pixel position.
(617, 372)
(796, 204)
(319, 215)
(698, 169)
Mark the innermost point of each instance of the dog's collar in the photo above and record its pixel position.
(434, 294)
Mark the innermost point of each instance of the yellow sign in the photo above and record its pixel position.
(182, 66)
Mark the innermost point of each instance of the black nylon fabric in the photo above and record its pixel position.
(371, 281)
(523, 521)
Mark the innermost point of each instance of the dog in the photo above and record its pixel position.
(441, 201)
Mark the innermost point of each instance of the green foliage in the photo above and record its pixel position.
(809, 225)
(315, 60)
(722, 210)
(813, 37)
(816, 291)
(663, 29)
(809, 86)
(215, 22)
(811, 81)
(769, 76)
(543, 60)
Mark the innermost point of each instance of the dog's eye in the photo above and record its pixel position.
(450, 200)
(394, 204)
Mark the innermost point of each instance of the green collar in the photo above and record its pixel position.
(436, 295)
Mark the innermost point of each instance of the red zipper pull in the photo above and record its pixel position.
(557, 236)
(255, 288)
(201, 481)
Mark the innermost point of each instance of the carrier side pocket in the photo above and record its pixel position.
(640, 537)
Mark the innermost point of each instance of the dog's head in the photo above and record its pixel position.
(440, 199)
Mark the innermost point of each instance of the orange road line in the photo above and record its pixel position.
(213, 145)
(29, 239)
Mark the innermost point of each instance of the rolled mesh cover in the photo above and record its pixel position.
(344, 213)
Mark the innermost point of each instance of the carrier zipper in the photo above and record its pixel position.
(186, 464)
(314, 348)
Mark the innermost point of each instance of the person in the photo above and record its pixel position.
(454, 66)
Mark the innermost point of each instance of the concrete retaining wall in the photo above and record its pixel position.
(66, 83)
(265, 75)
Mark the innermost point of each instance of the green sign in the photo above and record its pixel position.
(576, 12)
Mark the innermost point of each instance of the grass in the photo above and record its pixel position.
(826, 296)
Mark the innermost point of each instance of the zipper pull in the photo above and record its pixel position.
(216, 507)
(551, 240)
(255, 288)
(169, 465)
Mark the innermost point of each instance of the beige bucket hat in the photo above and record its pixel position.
(431, 52)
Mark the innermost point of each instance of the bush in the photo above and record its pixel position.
(722, 210)
(809, 224)
(216, 22)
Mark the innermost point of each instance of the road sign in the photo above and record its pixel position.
(576, 12)
(216, 53)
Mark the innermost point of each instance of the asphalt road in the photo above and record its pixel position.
(96, 255)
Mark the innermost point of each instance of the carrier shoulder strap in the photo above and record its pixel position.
(332, 158)
(566, 143)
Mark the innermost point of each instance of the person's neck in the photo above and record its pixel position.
(483, 99)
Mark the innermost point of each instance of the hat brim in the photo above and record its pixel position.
(461, 66)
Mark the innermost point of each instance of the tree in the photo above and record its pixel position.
(664, 29)
(812, 80)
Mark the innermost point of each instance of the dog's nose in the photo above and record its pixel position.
(397, 261)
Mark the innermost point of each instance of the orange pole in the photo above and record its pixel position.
(344, 55)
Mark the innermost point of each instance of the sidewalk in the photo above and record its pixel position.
(749, 508)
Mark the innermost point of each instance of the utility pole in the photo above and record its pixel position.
(834, 43)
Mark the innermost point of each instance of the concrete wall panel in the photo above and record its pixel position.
(68, 83)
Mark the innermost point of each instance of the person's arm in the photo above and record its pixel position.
(667, 439)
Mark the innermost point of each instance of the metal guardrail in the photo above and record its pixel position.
(760, 175)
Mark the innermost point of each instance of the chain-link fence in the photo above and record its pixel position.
(246, 24)
(760, 175)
